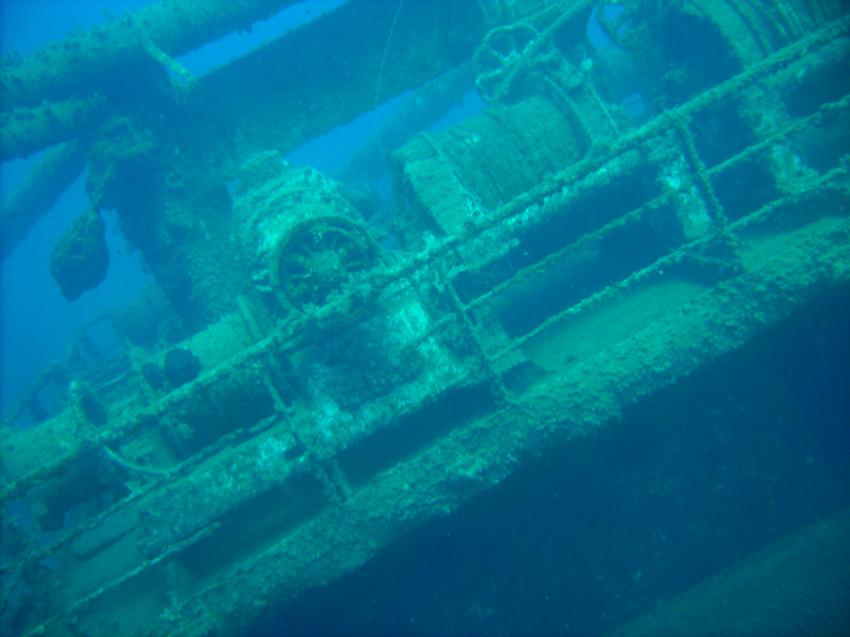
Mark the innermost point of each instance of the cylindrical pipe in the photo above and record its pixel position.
(27, 130)
(38, 193)
(83, 60)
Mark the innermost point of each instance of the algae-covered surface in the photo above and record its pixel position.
(412, 317)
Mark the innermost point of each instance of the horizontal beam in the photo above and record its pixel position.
(90, 58)
(323, 75)
(38, 193)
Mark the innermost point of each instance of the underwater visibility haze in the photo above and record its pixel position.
(425, 317)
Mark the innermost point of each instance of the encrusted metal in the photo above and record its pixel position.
(336, 380)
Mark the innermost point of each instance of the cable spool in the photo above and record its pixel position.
(461, 173)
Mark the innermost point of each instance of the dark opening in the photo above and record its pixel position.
(592, 211)
(255, 525)
(745, 187)
(587, 270)
(823, 146)
(720, 133)
(697, 57)
(413, 432)
(79, 492)
(209, 413)
(825, 84)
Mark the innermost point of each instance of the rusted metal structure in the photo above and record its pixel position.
(560, 256)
